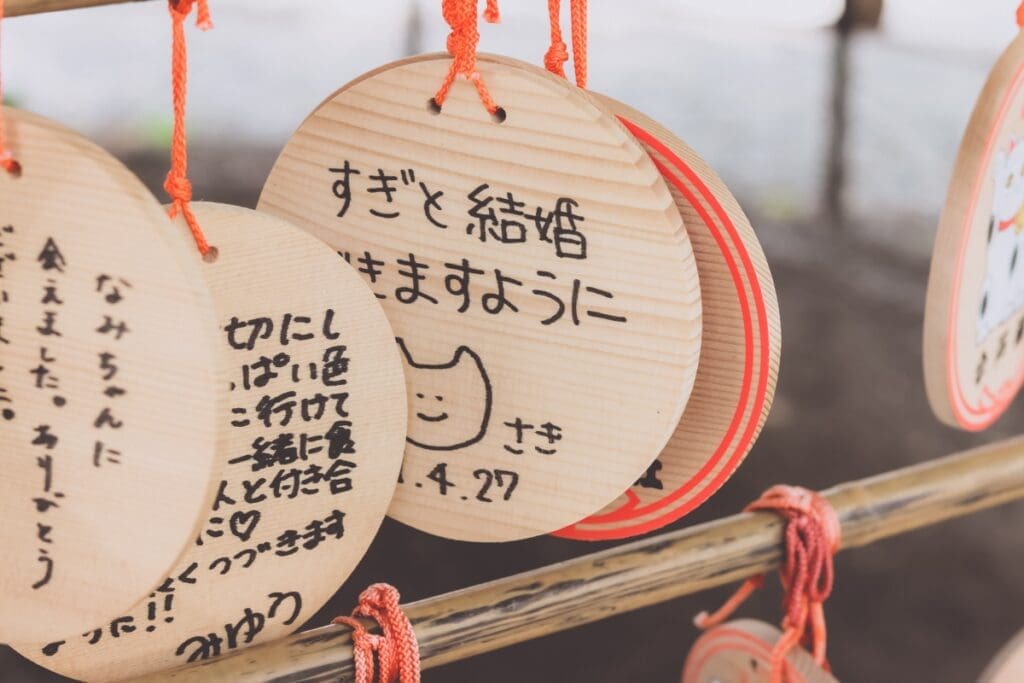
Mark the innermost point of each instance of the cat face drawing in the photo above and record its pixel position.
(449, 403)
(1002, 293)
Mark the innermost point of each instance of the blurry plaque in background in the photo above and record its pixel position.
(741, 652)
(1008, 666)
(974, 317)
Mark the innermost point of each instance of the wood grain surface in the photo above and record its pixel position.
(537, 272)
(108, 392)
(740, 349)
(309, 449)
(974, 317)
(740, 652)
(15, 8)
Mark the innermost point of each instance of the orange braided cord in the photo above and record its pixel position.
(397, 651)
(492, 15)
(177, 184)
(558, 54)
(579, 41)
(705, 621)
(7, 160)
(463, 41)
(812, 538)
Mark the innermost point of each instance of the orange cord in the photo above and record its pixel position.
(463, 41)
(398, 653)
(812, 539)
(177, 184)
(558, 54)
(580, 31)
(1020, 15)
(7, 160)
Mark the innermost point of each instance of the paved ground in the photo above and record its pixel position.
(932, 606)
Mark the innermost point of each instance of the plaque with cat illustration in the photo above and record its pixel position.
(311, 442)
(437, 386)
(538, 276)
(974, 318)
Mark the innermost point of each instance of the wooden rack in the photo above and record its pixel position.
(512, 610)
(17, 8)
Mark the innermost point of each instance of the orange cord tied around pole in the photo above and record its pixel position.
(177, 184)
(397, 652)
(7, 160)
(558, 54)
(812, 539)
(463, 41)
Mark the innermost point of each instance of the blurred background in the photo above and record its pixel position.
(835, 124)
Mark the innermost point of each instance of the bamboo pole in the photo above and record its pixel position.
(494, 615)
(16, 8)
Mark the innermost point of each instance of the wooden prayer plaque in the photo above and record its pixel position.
(108, 397)
(310, 446)
(538, 276)
(740, 652)
(1008, 666)
(974, 318)
(739, 360)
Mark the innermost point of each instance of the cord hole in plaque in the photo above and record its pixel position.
(433, 107)
(212, 255)
(499, 115)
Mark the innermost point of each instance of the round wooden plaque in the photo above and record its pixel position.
(740, 652)
(974, 318)
(108, 400)
(1008, 666)
(739, 360)
(537, 273)
(310, 447)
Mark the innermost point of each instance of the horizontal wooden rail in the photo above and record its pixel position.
(494, 615)
(16, 8)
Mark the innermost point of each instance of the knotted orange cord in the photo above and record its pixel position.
(177, 184)
(463, 41)
(812, 538)
(396, 649)
(558, 54)
(7, 160)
